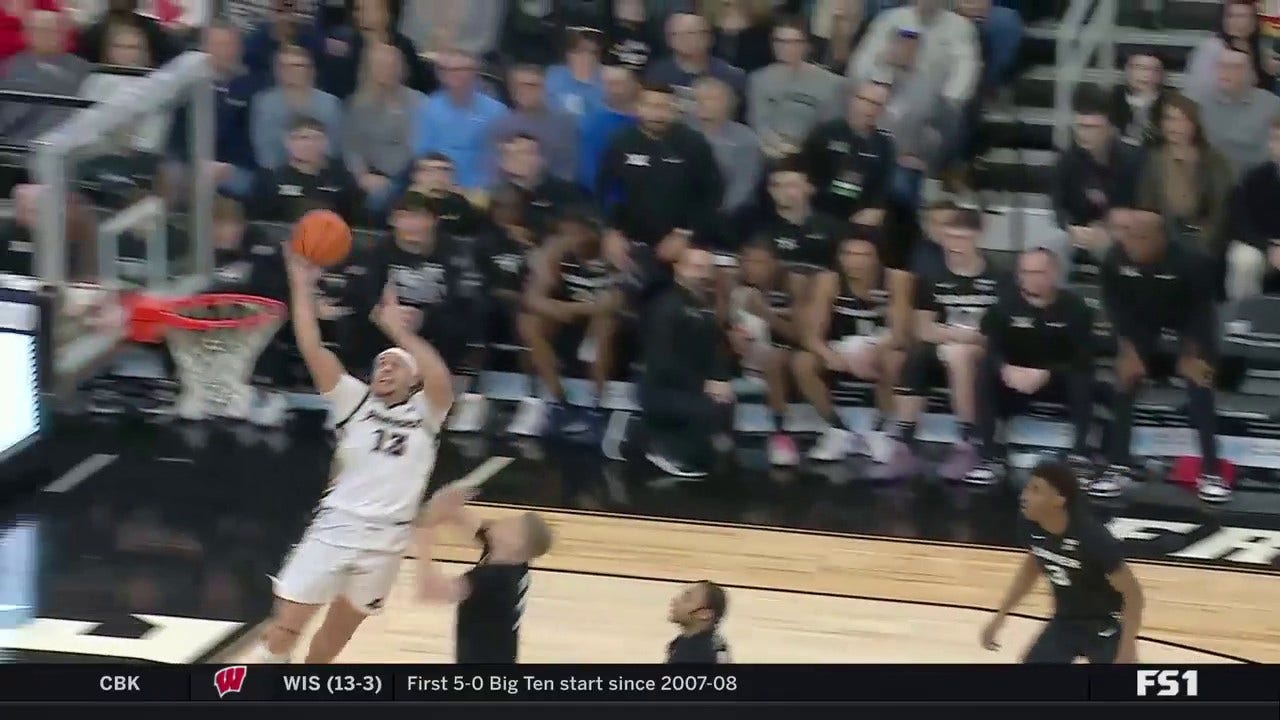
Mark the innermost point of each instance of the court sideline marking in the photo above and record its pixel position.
(84, 470)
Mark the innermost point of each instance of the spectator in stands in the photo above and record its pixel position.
(531, 114)
(531, 33)
(949, 48)
(13, 18)
(850, 160)
(17, 235)
(126, 46)
(632, 40)
(948, 313)
(544, 195)
(1098, 172)
(438, 26)
(617, 111)
(274, 110)
(1137, 106)
(685, 397)
(571, 305)
(787, 99)
(344, 51)
(1039, 341)
(1237, 116)
(380, 122)
(1239, 31)
(999, 37)
(836, 26)
(667, 184)
(233, 166)
(575, 86)
(737, 151)
(1253, 259)
(458, 119)
(927, 258)
(310, 178)
(1188, 182)
(1152, 287)
(920, 120)
(432, 177)
(45, 67)
(246, 259)
(95, 41)
(741, 30)
(689, 39)
(286, 26)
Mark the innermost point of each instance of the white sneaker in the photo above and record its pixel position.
(1213, 489)
(833, 446)
(530, 418)
(469, 413)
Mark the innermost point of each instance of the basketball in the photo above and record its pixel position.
(322, 237)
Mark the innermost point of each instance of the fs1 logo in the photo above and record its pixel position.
(229, 679)
(1169, 683)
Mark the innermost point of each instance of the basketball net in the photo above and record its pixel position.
(215, 342)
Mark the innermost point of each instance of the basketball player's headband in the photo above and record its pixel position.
(403, 356)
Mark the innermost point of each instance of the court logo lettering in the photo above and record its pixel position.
(229, 679)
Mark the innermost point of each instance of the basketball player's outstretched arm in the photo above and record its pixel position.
(1022, 583)
(446, 506)
(437, 383)
(324, 366)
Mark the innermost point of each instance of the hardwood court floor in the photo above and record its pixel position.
(601, 596)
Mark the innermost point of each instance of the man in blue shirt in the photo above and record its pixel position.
(457, 120)
(616, 111)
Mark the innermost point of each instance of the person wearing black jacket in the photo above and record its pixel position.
(346, 39)
(698, 610)
(850, 161)
(1098, 172)
(1153, 290)
(1038, 348)
(546, 196)
(432, 175)
(667, 184)
(311, 179)
(685, 398)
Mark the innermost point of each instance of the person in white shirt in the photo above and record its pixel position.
(949, 47)
(387, 433)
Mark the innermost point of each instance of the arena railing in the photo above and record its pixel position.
(1086, 38)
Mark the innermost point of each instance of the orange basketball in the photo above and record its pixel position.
(322, 237)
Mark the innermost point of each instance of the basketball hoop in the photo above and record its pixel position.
(215, 340)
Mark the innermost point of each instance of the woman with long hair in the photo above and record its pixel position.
(1239, 30)
(1189, 182)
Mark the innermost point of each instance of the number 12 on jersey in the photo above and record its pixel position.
(389, 442)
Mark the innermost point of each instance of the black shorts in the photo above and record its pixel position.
(481, 651)
(1061, 641)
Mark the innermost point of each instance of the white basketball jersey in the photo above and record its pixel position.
(384, 458)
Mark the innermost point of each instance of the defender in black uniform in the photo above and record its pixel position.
(948, 313)
(847, 332)
(491, 595)
(571, 307)
(762, 314)
(698, 610)
(1097, 600)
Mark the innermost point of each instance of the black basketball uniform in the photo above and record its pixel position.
(488, 625)
(504, 267)
(1087, 608)
(706, 647)
(436, 284)
(956, 300)
(777, 295)
(853, 314)
(810, 244)
(583, 280)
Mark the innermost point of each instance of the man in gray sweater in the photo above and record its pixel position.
(555, 129)
(1235, 114)
(273, 111)
(44, 68)
(736, 148)
(788, 98)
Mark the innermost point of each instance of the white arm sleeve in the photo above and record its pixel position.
(346, 397)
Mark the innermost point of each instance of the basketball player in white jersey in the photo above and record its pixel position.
(349, 556)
